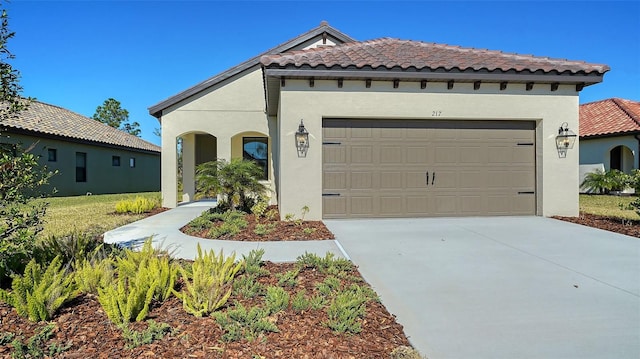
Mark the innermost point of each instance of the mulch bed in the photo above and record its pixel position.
(301, 335)
(628, 227)
(283, 230)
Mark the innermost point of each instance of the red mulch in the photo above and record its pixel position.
(302, 335)
(283, 230)
(628, 227)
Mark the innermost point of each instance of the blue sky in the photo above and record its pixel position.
(76, 54)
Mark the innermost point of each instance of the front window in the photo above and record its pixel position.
(256, 149)
(53, 154)
(81, 167)
(115, 161)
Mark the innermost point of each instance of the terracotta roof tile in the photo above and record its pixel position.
(610, 116)
(53, 120)
(394, 53)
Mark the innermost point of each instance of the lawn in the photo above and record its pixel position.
(608, 206)
(87, 213)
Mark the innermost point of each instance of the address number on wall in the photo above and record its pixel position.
(436, 113)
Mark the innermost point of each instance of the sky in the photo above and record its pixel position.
(77, 54)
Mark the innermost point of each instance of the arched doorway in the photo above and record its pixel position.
(621, 158)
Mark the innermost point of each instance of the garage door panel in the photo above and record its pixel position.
(379, 168)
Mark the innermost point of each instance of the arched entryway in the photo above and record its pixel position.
(621, 158)
(192, 149)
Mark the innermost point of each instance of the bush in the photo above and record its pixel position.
(155, 331)
(37, 294)
(604, 182)
(346, 311)
(239, 323)
(128, 299)
(138, 205)
(89, 276)
(276, 300)
(70, 247)
(208, 285)
(405, 352)
(328, 264)
(238, 182)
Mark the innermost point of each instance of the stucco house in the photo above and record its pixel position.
(393, 128)
(610, 134)
(90, 156)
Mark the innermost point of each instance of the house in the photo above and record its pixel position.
(610, 134)
(388, 127)
(90, 156)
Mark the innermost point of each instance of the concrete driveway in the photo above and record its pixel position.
(502, 287)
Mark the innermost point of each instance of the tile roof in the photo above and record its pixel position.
(404, 54)
(608, 117)
(53, 120)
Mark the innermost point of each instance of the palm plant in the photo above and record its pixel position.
(237, 181)
(603, 182)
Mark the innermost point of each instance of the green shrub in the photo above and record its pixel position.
(239, 323)
(128, 299)
(328, 264)
(328, 286)
(300, 302)
(208, 285)
(252, 263)
(155, 331)
(276, 300)
(288, 278)
(154, 263)
(38, 294)
(70, 247)
(262, 229)
(604, 182)
(635, 205)
(35, 346)
(138, 205)
(260, 207)
(247, 286)
(91, 275)
(405, 352)
(345, 312)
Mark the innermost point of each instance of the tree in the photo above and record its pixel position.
(237, 181)
(21, 176)
(111, 113)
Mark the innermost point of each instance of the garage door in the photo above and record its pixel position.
(420, 168)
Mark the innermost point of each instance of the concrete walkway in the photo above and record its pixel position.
(502, 287)
(165, 230)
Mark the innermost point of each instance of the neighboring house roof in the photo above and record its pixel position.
(404, 54)
(609, 117)
(323, 29)
(56, 121)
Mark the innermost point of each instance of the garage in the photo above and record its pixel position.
(387, 168)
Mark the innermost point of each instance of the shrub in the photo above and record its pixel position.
(262, 229)
(247, 286)
(37, 294)
(238, 182)
(405, 352)
(345, 312)
(288, 278)
(89, 276)
(70, 247)
(260, 207)
(328, 264)
(604, 182)
(252, 263)
(239, 323)
(128, 299)
(232, 224)
(276, 300)
(209, 284)
(155, 331)
(328, 286)
(35, 346)
(138, 205)
(300, 302)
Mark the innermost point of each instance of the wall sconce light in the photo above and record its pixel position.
(565, 140)
(302, 140)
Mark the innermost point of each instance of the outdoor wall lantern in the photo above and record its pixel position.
(565, 140)
(302, 140)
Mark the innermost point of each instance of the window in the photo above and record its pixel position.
(115, 161)
(255, 149)
(53, 154)
(132, 162)
(81, 167)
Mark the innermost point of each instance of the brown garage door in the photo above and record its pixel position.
(420, 168)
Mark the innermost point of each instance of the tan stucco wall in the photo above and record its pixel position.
(231, 108)
(597, 150)
(300, 179)
(102, 177)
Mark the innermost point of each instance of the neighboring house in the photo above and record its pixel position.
(90, 156)
(610, 134)
(396, 128)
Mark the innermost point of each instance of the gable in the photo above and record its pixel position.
(323, 35)
(608, 117)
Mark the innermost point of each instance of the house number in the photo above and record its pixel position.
(436, 113)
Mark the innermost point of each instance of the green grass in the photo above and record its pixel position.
(86, 213)
(608, 206)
